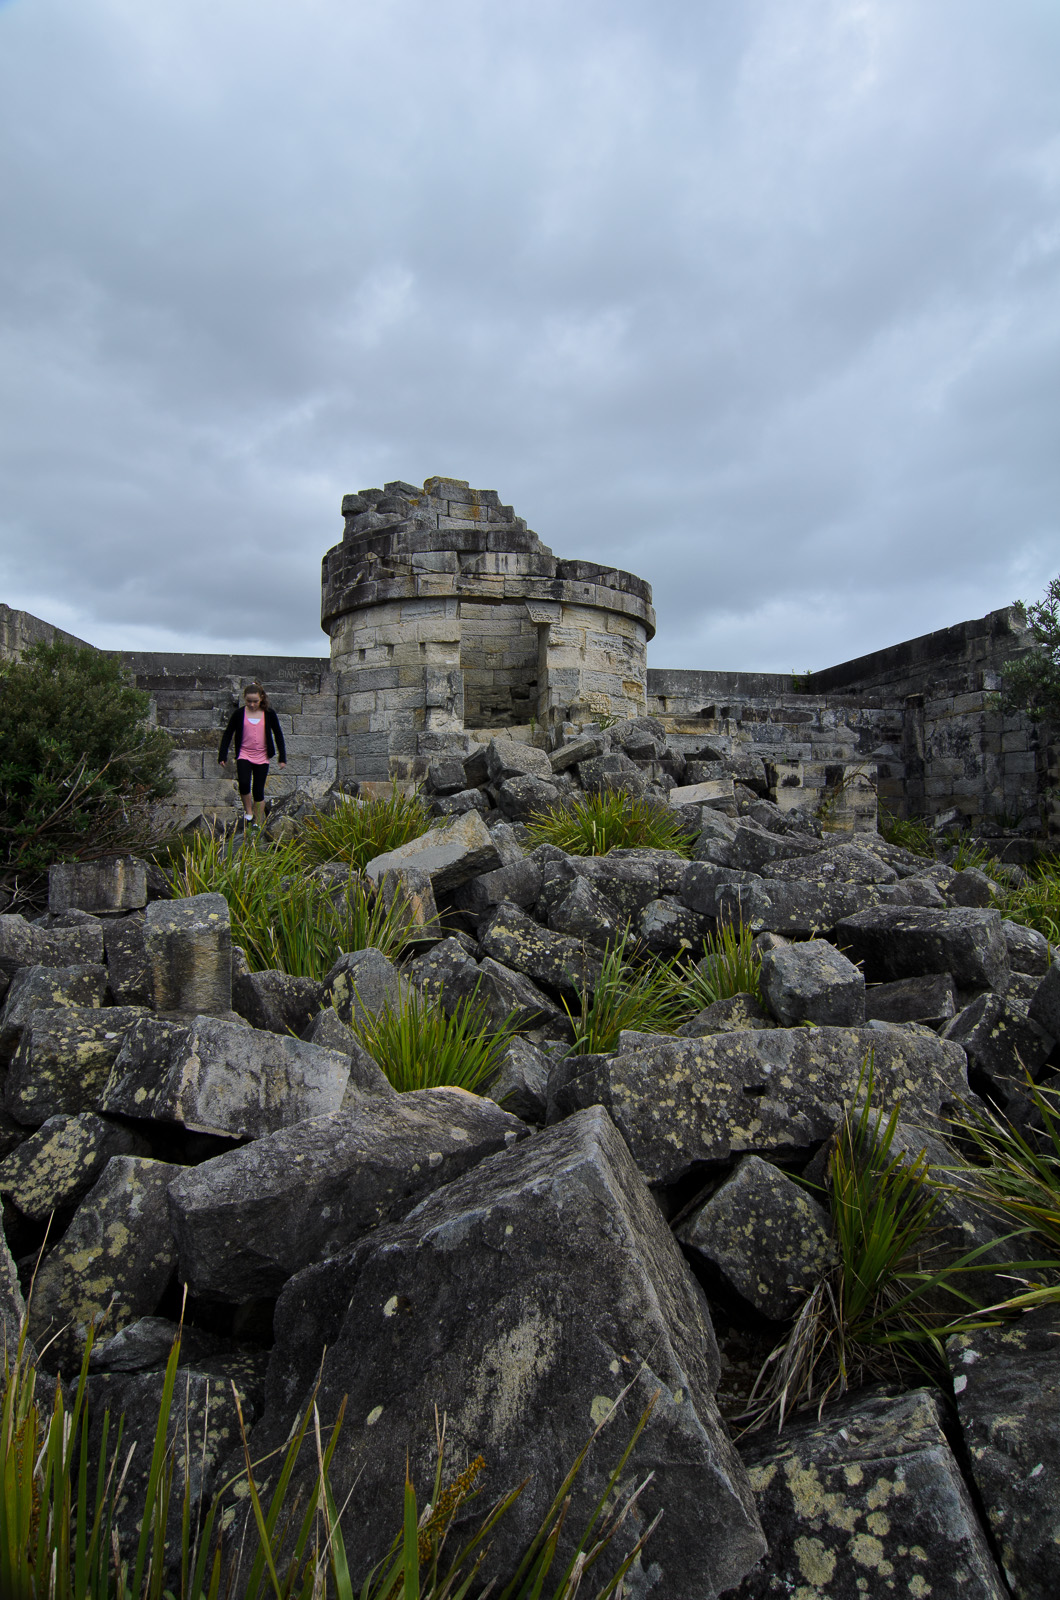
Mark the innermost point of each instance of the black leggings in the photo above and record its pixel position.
(252, 772)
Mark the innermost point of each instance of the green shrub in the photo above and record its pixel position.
(282, 915)
(632, 991)
(78, 762)
(419, 1045)
(359, 830)
(1035, 903)
(593, 824)
(730, 965)
(1032, 683)
(909, 833)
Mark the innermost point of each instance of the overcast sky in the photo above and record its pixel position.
(756, 298)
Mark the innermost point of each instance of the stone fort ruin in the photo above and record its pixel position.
(449, 618)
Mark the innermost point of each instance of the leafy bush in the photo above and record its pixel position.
(59, 1541)
(358, 830)
(283, 915)
(593, 824)
(1032, 683)
(78, 761)
(421, 1046)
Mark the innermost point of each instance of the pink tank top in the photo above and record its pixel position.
(253, 746)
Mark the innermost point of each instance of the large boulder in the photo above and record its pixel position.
(61, 1161)
(867, 1501)
(520, 1301)
(188, 947)
(908, 941)
(517, 941)
(275, 1001)
(246, 1220)
(212, 1076)
(508, 758)
(112, 1263)
(125, 953)
(26, 944)
(448, 974)
(63, 1060)
(931, 999)
(1002, 1045)
(813, 982)
(682, 1102)
(451, 853)
(361, 984)
(1006, 1382)
(115, 883)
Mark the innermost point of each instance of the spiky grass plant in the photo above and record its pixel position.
(633, 991)
(282, 915)
(1036, 903)
(730, 965)
(359, 830)
(59, 1536)
(420, 1045)
(593, 824)
(876, 1314)
(909, 833)
(1016, 1175)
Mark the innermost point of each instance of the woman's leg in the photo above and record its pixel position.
(261, 772)
(244, 772)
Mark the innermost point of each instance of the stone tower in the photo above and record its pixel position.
(446, 613)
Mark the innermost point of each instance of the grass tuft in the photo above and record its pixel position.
(359, 830)
(632, 991)
(593, 824)
(419, 1045)
(730, 965)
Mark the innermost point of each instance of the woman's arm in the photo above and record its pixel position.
(226, 737)
(277, 733)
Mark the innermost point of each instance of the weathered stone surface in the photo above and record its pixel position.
(328, 1030)
(246, 1220)
(1028, 950)
(813, 982)
(732, 1015)
(906, 942)
(507, 758)
(61, 1161)
(520, 1300)
(64, 1059)
(836, 863)
(220, 1077)
(793, 906)
(12, 1305)
(116, 883)
(523, 797)
(752, 847)
(867, 1502)
(517, 941)
(582, 748)
(585, 913)
(931, 999)
(1001, 1044)
(518, 881)
(47, 989)
(25, 944)
(450, 853)
(455, 805)
(1044, 1008)
(682, 1101)
(147, 1342)
(668, 928)
(112, 1263)
(614, 773)
(361, 984)
(125, 953)
(449, 974)
(188, 945)
(445, 775)
(971, 888)
(1006, 1382)
(410, 889)
(521, 1085)
(765, 1235)
(703, 879)
(275, 1001)
(709, 792)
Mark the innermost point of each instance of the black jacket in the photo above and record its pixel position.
(273, 735)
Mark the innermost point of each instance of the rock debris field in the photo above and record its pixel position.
(592, 1223)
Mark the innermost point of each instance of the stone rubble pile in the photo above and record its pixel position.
(509, 1259)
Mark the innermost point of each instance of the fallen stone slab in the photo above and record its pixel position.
(211, 1076)
(112, 1263)
(445, 775)
(521, 1085)
(188, 947)
(517, 881)
(521, 1299)
(613, 773)
(582, 748)
(668, 928)
(246, 1220)
(1028, 950)
(1002, 1046)
(585, 913)
(115, 883)
(275, 1001)
(64, 1059)
(59, 1163)
(868, 1501)
(47, 988)
(796, 907)
(145, 1344)
(125, 954)
(907, 942)
(703, 879)
(766, 1236)
(450, 853)
(409, 890)
(681, 1102)
(836, 863)
(366, 1076)
(753, 847)
(521, 798)
(813, 982)
(508, 758)
(931, 999)
(25, 944)
(708, 792)
(1006, 1383)
(731, 1015)
(447, 973)
(517, 941)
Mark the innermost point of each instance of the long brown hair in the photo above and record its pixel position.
(255, 688)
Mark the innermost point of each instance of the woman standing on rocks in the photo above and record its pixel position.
(258, 737)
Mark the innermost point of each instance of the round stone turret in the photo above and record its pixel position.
(447, 613)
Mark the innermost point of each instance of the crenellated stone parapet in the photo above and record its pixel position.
(447, 613)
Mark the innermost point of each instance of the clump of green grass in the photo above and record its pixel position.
(359, 830)
(1036, 903)
(593, 824)
(281, 914)
(730, 965)
(632, 991)
(1017, 1175)
(420, 1045)
(909, 833)
(876, 1314)
(59, 1537)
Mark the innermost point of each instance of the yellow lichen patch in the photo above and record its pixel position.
(816, 1561)
(867, 1551)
